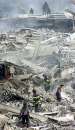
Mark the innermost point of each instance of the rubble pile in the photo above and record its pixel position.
(51, 116)
(22, 50)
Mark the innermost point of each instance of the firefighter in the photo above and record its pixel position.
(12, 71)
(58, 93)
(36, 101)
(24, 114)
(47, 83)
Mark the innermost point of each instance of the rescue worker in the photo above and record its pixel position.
(12, 71)
(24, 114)
(47, 83)
(58, 93)
(7, 72)
(36, 101)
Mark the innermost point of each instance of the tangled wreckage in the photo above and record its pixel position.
(23, 61)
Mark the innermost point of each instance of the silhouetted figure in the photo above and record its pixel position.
(31, 11)
(46, 9)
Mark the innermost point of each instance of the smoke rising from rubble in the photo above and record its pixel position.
(16, 7)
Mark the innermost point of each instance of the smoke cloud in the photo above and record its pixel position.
(15, 7)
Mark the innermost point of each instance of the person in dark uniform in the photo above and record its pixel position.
(36, 100)
(58, 93)
(46, 82)
(24, 114)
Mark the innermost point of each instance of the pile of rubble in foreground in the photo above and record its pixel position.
(52, 116)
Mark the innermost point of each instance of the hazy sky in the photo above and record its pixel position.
(14, 7)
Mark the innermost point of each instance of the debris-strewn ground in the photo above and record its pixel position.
(21, 50)
(52, 115)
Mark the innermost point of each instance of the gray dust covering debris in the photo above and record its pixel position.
(29, 55)
(31, 61)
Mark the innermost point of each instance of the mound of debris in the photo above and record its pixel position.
(17, 89)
